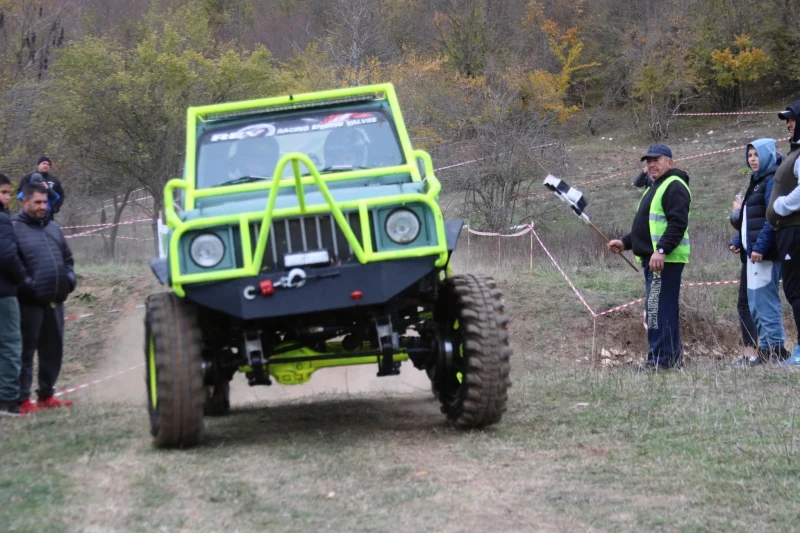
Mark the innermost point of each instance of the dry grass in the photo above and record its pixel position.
(582, 448)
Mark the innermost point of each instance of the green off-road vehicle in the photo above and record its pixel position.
(305, 234)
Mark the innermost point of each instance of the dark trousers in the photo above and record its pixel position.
(10, 349)
(749, 330)
(663, 314)
(788, 242)
(42, 332)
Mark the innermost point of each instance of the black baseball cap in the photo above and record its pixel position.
(657, 150)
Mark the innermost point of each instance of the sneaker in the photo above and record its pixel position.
(794, 360)
(773, 354)
(9, 409)
(743, 361)
(51, 402)
(27, 407)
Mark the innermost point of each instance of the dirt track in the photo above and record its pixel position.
(125, 350)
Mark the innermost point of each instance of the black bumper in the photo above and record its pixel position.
(325, 289)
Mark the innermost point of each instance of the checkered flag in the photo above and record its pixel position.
(573, 197)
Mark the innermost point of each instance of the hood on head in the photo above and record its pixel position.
(794, 107)
(767, 155)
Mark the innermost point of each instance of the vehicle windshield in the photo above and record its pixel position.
(334, 140)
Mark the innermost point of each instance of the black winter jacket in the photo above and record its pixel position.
(49, 266)
(11, 271)
(52, 181)
(676, 202)
(760, 236)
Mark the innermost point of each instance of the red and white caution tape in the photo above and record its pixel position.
(87, 315)
(632, 171)
(119, 237)
(621, 307)
(704, 283)
(109, 224)
(553, 259)
(93, 231)
(723, 114)
(95, 382)
(448, 167)
(527, 229)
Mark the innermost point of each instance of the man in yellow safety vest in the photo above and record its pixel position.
(659, 238)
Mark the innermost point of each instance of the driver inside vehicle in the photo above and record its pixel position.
(345, 149)
(254, 158)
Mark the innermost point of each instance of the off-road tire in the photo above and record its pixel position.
(482, 341)
(176, 417)
(217, 401)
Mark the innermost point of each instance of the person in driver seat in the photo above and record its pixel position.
(254, 158)
(345, 149)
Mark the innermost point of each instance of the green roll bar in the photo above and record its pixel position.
(253, 259)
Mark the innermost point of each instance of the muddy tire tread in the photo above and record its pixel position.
(177, 338)
(487, 352)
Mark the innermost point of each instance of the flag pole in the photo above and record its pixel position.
(608, 240)
(574, 198)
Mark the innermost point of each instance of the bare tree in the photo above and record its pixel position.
(356, 39)
(511, 159)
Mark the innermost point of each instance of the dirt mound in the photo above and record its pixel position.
(621, 338)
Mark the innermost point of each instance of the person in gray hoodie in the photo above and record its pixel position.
(755, 242)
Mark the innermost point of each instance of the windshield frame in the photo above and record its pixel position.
(376, 107)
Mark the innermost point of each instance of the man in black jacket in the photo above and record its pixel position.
(783, 214)
(49, 279)
(11, 275)
(43, 167)
(659, 238)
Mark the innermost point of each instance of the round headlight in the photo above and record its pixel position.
(207, 250)
(402, 226)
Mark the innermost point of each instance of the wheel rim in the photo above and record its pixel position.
(453, 375)
(151, 373)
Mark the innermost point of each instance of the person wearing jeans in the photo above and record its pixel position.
(11, 275)
(756, 242)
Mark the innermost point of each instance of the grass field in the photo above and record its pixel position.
(585, 446)
(706, 449)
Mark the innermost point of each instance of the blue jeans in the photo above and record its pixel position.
(10, 349)
(765, 302)
(663, 314)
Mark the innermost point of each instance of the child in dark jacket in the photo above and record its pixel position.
(12, 274)
(756, 243)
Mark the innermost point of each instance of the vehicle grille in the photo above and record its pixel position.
(307, 233)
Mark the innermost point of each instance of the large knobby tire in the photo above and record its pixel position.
(473, 382)
(173, 354)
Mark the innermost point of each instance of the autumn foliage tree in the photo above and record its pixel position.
(122, 111)
(546, 91)
(734, 69)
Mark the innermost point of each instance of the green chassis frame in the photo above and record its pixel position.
(252, 259)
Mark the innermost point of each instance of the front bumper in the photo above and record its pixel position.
(325, 289)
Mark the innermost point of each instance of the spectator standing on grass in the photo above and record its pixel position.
(49, 279)
(43, 167)
(11, 275)
(746, 324)
(783, 214)
(659, 238)
(755, 244)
